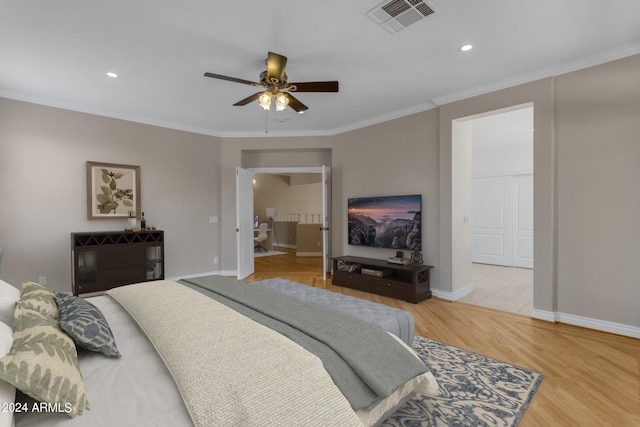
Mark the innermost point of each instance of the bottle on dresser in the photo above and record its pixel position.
(143, 222)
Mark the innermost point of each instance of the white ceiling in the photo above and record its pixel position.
(58, 52)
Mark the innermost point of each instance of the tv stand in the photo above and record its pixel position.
(406, 282)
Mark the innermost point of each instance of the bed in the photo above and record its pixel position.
(398, 322)
(210, 353)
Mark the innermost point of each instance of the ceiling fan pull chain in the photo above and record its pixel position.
(266, 129)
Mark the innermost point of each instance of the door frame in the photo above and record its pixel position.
(326, 228)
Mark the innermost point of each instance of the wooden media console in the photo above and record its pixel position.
(405, 282)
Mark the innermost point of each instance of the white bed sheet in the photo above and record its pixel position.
(116, 382)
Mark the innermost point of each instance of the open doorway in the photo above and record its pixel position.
(290, 204)
(295, 203)
(498, 148)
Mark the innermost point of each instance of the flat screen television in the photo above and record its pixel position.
(392, 222)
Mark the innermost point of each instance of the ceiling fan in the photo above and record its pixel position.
(274, 84)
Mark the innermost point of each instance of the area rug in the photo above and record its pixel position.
(268, 253)
(475, 390)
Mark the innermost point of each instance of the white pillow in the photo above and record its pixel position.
(9, 295)
(7, 391)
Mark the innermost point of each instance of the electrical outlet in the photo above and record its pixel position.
(216, 260)
(42, 280)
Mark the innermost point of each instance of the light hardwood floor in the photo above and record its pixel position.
(591, 378)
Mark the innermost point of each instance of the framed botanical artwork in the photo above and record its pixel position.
(112, 190)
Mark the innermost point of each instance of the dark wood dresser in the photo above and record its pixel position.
(106, 259)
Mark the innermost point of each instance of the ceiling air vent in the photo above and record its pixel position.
(396, 15)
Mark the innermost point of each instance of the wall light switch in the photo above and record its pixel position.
(213, 219)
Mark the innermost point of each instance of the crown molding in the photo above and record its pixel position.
(385, 117)
(16, 96)
(551, 71)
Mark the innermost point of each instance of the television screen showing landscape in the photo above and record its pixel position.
(386, 222)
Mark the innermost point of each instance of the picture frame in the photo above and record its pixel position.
(112, 190)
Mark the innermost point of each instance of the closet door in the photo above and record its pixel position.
(492, 221)
(523, 221)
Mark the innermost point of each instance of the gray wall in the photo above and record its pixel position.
(43, 154)
(586, 161)
(597, 118)
(392, 158)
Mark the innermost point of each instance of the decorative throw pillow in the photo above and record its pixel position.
(43, 362)
(40, 299)
(86, 325)
(7, 391)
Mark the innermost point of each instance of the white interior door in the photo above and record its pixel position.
(244, 222)
(492, 213)
(503, 220)
(326, 176)
(523, 221)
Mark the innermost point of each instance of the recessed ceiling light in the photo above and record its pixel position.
(465, 47)
(112, 74)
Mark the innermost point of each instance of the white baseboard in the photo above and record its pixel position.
(453, 296)
(587, 322)
(190, 276)
(284, 245)
(549, 316)
(555, 317)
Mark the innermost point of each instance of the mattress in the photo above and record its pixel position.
(140, 376)
(398, 322)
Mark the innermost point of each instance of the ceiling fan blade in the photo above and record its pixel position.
(248, 99)
(298, 106)
(315, 86)
(275, 66)
(232, 79)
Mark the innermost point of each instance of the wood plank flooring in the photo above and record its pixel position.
(592, 378)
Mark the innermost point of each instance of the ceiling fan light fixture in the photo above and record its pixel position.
(281, 101)
(274, 84)
(265, 100)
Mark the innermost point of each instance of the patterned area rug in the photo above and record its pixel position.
(475, 390)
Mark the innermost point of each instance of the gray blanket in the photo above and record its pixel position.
(364, 361)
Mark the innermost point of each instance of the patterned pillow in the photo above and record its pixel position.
(7, 391)
(40, 299)
(43, 362)
(86, 325)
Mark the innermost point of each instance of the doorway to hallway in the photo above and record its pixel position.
(493, 179)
